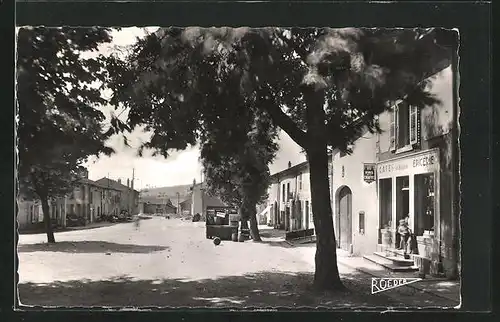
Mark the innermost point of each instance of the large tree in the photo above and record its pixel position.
(59, 122)
(322, 86)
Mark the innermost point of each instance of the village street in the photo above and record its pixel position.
(170, 263)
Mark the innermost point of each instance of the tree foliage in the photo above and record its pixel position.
(322, 86)
(58, 100)
(238, 171)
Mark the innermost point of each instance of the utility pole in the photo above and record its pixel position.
(178, 204)
(131, 200)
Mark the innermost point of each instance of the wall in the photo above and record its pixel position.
(25, 207)
(435, 120)
(23, 213)
(364, 195)
(77, 202)
(96, 202)
(305, 195)
(301, 194)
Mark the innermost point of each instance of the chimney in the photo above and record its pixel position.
(289, 164)
(128, 182)
(119, 180)
(84, 173)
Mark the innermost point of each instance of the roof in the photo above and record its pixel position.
(290, 171)
(96, 184)
(209, 201)
(187, 199)
(108, 183)
(294, 170)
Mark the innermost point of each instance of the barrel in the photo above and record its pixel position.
(234, 236)
(244, 234)
(234, 224)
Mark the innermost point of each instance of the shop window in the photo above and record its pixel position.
(424, 203)
(385, 204)
(404, 127)
(361, 224)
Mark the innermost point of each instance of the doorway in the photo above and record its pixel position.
(307, 214)
(385, 205)
(402, 201)
(344, 219)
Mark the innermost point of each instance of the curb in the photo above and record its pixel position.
(408, 285)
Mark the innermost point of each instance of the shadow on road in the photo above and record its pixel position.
(271, 233)
(259, 290)
(89, 247)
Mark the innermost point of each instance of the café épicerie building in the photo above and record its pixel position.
(409, 170)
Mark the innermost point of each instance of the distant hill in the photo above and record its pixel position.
(170, 192)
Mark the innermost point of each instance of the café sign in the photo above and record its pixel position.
(424, 162)
(369, 172)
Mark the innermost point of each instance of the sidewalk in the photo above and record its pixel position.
(440, 287)
(90, 226)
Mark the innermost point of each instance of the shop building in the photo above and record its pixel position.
(408, 170)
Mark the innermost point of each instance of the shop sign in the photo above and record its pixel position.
(420, 163)
(369, 172)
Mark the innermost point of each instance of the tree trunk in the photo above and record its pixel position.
(46, 219)
(326, 276)
(254, 227)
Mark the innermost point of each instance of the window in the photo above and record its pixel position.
(424, 203)
(362, 222)
(404, 126)
(283, 193)
(300, 181)
(288, 190)
(83, 192)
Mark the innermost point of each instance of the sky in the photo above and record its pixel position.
(181, 167)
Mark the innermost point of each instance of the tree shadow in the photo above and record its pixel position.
(271, 232)
(257, 290)
(90, 247)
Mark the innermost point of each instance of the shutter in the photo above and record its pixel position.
(392, 128)
(414, 125)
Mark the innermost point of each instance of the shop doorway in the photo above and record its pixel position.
(344, 219)
(385, 205)
(402, 201)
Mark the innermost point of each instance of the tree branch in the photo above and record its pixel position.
(284, 121)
